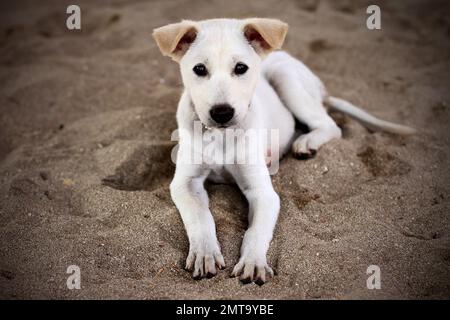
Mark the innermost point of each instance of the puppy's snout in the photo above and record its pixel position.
(222, 113)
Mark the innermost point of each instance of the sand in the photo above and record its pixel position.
(85, 124)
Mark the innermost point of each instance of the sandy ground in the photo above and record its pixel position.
(85, 124)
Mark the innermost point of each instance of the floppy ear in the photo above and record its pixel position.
(174, 39)
(265, 35)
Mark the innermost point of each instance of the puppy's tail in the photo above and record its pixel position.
(369, 121)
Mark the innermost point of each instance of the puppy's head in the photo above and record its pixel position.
(220, 62)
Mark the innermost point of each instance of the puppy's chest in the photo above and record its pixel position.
(229, 147)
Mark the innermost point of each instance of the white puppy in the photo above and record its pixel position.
(233, 80)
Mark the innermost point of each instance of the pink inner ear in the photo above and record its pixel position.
(186, 40)
(254, 37)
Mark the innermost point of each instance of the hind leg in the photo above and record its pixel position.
(306, 145)
(302, 93)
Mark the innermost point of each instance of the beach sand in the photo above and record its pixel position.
(85, 124)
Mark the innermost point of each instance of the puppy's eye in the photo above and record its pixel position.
(200, 70)
(240, 68)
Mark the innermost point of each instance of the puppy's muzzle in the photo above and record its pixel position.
(221, 113)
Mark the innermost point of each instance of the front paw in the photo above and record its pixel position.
(252, 269)
(204, 256)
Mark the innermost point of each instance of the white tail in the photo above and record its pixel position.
(367, 119)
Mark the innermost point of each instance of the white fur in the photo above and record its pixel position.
(272, 92)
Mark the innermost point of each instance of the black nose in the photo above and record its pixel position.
(221, 113)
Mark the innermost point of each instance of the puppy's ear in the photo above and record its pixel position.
(174, 39)
(265, 35)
